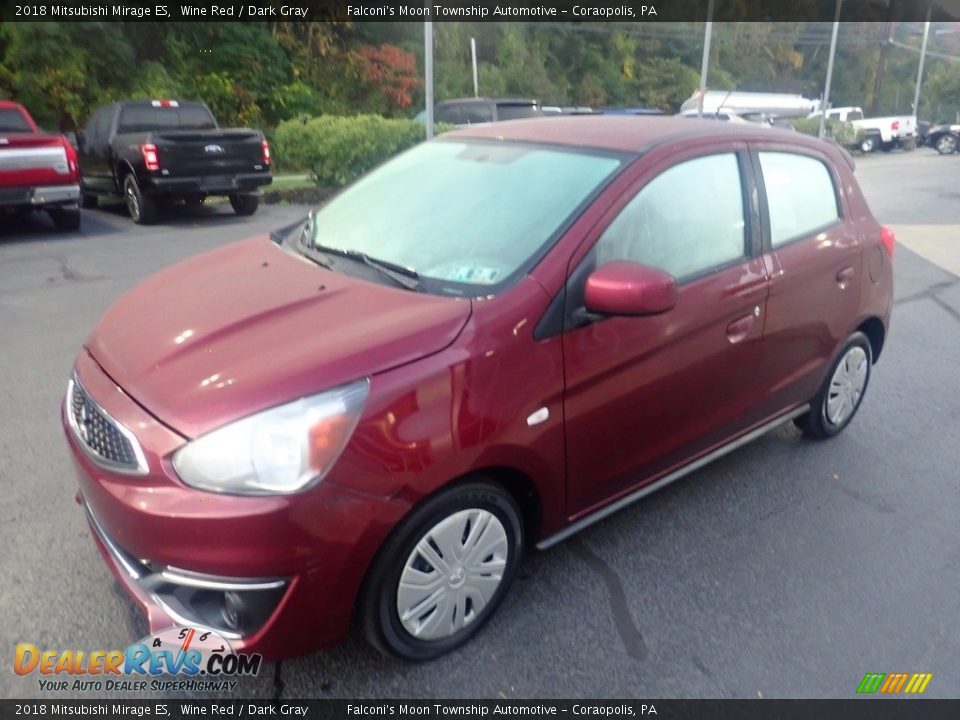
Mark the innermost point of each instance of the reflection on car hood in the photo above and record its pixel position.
(250, 326)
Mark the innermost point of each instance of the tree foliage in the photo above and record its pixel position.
(263, 73)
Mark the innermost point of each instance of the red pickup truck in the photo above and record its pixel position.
(38, 171)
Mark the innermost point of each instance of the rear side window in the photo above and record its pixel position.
(13, 121)
(686, 221)
(517, 112)
(447, 114)
(800, 194)
(477, 113)
(143, 118)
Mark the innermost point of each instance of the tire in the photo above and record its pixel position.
(65, 219)
(838, 400)
(868, 144)
(244, 204)
(947, 144)
(142, 208)
(88, 201)
(440, 523)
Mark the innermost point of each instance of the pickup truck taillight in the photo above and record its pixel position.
(895, 125)
(71, 157)
(150, 158)
(266, 152)
(888, 239)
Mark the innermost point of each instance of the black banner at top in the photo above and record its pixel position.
(475, 10)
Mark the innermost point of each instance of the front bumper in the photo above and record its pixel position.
(41, 196)
(295, 562)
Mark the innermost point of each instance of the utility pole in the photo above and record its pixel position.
(826, 90)
(473, 58)
(923, 55)
(428, 68)
(705, 63)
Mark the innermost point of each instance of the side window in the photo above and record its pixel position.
(854, 115)
(447, 114)
(800, 194)
(103, 126)
(477, 113)
(90, 138)
(687, 220)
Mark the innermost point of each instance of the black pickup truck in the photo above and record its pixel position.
(154, 150)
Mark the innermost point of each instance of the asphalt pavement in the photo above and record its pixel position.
(789, 568)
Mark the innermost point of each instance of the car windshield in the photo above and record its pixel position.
(517, 112)
(13, 121)
(465, 214)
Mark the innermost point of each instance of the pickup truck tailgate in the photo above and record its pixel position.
(30, 160)
(193, 153)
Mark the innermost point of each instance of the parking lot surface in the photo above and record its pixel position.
(789, 568)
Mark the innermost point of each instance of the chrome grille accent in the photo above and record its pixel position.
(107, 442)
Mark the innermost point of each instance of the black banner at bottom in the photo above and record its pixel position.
(860, 709)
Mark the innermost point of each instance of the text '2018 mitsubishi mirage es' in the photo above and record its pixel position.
(486, 344)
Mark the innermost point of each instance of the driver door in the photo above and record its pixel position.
(646, 394)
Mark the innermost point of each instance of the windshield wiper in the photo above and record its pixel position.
(405, 277)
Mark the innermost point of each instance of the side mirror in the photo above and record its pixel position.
(628, 288)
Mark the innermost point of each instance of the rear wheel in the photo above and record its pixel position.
(946, 144)
(244, 204)
(834, 406)
(868, 144)
(65, 218)
(442, 573)
(142, 208)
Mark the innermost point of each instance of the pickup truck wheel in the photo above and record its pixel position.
(244, 204)
(868, 144)
(65, 218)
(142, 208)
(947, 144)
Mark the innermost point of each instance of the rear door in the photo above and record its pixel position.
(644, 394)
(813, 258)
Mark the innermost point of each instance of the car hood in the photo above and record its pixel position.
(251, 326)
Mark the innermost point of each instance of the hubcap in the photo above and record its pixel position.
(132, 205)
(452, 574)
(846, 385)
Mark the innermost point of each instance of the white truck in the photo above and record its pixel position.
(885, 133)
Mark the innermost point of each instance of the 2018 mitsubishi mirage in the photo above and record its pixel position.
(488, 343)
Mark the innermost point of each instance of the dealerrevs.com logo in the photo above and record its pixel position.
(200, 659)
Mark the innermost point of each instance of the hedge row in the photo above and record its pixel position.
(844, 133)
(335, 150)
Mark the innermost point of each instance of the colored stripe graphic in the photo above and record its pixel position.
(918, 683)
(895, 683)
(871, 682)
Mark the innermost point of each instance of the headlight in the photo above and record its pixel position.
(281, 450)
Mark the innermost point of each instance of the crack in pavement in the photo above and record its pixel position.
(946, 306)
(622, 617)
(928, 292)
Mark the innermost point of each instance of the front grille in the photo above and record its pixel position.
(106, 441)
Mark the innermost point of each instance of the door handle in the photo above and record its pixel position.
(740, 328)
(844, 276)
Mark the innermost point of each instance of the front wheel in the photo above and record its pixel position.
(834, 406)
(142, 208)
(947, 144)
(244, 204)
(442, 573)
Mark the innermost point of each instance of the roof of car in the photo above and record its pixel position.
(497, 100)
(624, 133)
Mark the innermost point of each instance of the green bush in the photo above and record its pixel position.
(843, 133)
(335, 150)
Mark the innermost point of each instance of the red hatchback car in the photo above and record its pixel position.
(490, 342)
